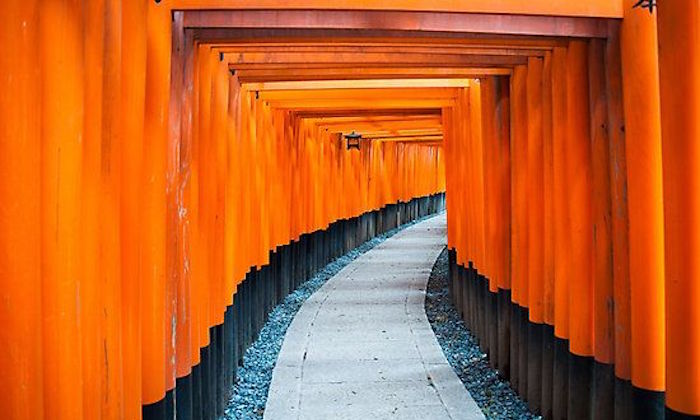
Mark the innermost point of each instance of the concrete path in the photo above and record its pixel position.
(361, 347)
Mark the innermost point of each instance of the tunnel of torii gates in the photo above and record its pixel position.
(169, 170)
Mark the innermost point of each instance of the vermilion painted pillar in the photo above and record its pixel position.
(560, 381)
(535, 231)
(133, 99)
(603, 333)
(679, 67)
(62, 117)
(619, 222)
(548, 341)
(535, 191)
(579, 193)
(153, 210)
(645, 202)
(519, 229)
(519, 245)
(21, 383)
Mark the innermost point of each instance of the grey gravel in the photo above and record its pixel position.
(491, 392)
(253, 378)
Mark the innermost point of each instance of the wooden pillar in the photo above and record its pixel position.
(502, 177)
(535, 191)
(21, 385)
(535, 232)
(679, 66)
(61, 167)
(548, 289)
(502, 174)
(579, 187)
(645, 202)
(519, 245)
(153, 202)
(561, 234)
(91, 309)
(603, 333)
(133, 67)
(519, 238)
(619, 223)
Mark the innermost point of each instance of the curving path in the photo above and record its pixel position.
(361, 347)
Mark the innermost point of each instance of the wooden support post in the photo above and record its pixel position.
(21, 314)
(153, 201)
(679, 66)
(548, 239)
(640, 77)
(61, 169)
(560, 211)
(619, 222)
(579, 187)
(603, 333)
(133, 99)
(535, 231)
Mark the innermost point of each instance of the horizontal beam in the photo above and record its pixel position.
(359, 73)
(376, 135)
(361, 94)
(431, 138)
(359, 84)
(357, 112)
(347, 105)
(248, 60)
(311, 36)
(362, 49)
(483, 23)
(382, 126)
(365, 44)
(597, 8)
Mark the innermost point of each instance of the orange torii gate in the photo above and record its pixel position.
(150, 178)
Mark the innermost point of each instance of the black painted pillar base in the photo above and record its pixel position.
(560, 381)
(534, 366)
(515, 346)
(523, 351)
(503, 365)
(183, 396)
(155, 411)
(675, 415)
(648, 405)
(547, 370)
(603, 390)
(580, 390)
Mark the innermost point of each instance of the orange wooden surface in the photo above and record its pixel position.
(535, 191)
(21, 363)
(562, 265)
(602, 228)
(619, 204)
(153, 208)
(548, 247)
(62, 93)
(578, 175)
(519, 200)
(537, 7)
(679, 63)
(640, 77)
(133, 99)
(142, 176)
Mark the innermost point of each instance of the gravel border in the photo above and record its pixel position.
(492, 393)
(253, 378)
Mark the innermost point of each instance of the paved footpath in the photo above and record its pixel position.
(361, 347)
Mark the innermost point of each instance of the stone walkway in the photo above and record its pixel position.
(361, 347)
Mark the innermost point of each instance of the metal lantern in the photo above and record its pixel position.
(353, 140)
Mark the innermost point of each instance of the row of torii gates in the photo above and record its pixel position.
(170, 169)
